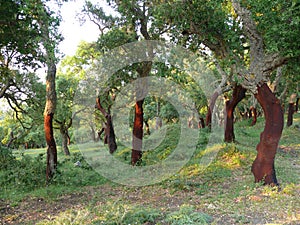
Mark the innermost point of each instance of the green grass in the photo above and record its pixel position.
(222, 192)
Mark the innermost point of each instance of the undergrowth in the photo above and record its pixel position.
(220, 191)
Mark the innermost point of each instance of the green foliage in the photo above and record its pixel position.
(7, 159)
(25, 174)
(279, 22)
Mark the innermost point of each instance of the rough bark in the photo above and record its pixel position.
(210, 110)
(237, 95)
(51, 146)
(263, 165)
(49, 45)
(137, 140)
(48, 120)
(109, 133)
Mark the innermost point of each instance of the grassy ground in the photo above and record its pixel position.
(222, 193)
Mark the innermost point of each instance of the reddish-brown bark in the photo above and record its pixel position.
(136, 154)
(290, 115)
(263, 165)
(211, 106)
(237, 95)
(51, 146)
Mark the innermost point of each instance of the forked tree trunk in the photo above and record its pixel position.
(137, 139)
(263, 165)
(237, 95)
(109, 137)
(210, 110)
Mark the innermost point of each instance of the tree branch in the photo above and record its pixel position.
(4, 89)
(99, 106)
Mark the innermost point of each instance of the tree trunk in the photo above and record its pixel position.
(211, 106)
(253, 113)
(48, 120)
(237, 95)
(109, 133)
(201, 123)
(51, 147)
(263, 165)
(290, 115)
(297, 105)
(69, 139)
(158, 120)
(65, 139)
(93, 133)
(49, 45)
(291, 110)
(136, 154)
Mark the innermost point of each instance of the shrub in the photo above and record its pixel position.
(25, 174)
(7, 159)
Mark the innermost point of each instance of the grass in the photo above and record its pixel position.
(222, 192)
